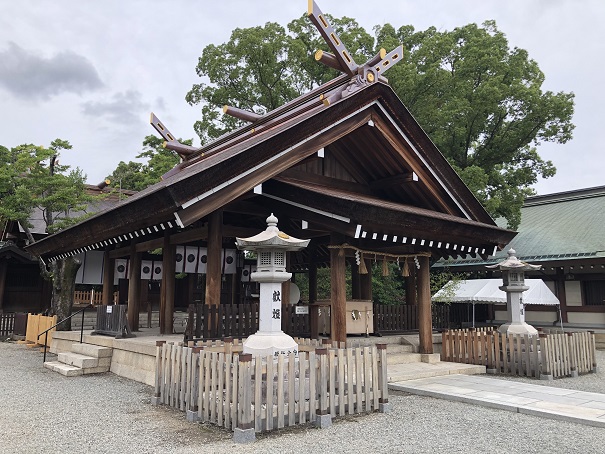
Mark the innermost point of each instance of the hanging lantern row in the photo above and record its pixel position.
(386, 257)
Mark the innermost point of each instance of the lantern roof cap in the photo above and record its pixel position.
(513, 263)
(271, 238)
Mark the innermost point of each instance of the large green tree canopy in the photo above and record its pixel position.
(480, 101)
(32, 179)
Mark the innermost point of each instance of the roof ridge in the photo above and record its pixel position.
(565, 196)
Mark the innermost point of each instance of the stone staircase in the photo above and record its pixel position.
(405, 363)
(83, 359)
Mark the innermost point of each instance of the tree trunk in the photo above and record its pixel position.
(64, 282)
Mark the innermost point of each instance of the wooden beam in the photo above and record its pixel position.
(313, 315)
(328, 182)
(425, 322)
(213, 266)
(394, 180)
(398, 218)
(121, 252)
(338, 299)
(282, 209)
(167, 289)
(134, 289)
(190, 235)
(108, 274)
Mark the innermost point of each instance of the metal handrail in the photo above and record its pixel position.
(62, 321)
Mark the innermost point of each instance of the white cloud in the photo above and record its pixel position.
(29, 76)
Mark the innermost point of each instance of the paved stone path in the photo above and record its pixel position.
(531, 399)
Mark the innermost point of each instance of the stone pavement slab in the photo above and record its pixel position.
(543, 401)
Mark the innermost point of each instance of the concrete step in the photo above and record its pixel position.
(63, 369)
(411, 371)
(78, 360)
(95, 351)
(407, 358)
(403, 358)
(362, 341)
(399, 348)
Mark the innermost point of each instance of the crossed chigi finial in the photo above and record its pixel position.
(340, 59)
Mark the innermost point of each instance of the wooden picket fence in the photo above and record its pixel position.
(399, 318)
(91, 297)
(7, 322)
(223, 320)
(237, 390)
(544, 356)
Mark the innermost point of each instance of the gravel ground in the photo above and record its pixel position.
(41, 411)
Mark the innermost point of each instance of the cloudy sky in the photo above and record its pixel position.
(91, 72)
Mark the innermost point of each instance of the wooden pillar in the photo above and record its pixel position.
(191, 283)
(560, 291)
(108, 273)
(365, 282)
(338, 303)
(2, 283)
(313, 315)
(134, 288)
(355, 281)
(425, 322)
(213, 266)
(144, 301)
(167, 286)
(411, 298)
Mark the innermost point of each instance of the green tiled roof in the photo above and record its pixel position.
(566, 225)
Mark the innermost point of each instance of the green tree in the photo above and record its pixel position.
(261, 68)
(480, 101)
(33, 181)
(483, 105)
(136, 176)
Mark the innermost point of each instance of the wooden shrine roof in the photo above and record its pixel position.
(385, 173)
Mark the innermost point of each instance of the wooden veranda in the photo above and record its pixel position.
(345, 165)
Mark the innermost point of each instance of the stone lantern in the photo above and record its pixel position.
(270, 246)
(513, 277)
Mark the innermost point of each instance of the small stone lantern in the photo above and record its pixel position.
(270, 246)
(513, 277)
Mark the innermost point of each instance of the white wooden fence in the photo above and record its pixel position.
(545, 356)
(236, 390)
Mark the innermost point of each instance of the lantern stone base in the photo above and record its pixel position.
(270, 343)
(518, 328)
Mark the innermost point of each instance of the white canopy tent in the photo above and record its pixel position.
(487, 291)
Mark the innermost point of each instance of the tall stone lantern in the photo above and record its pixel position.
(513, 276)
(270, 246)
